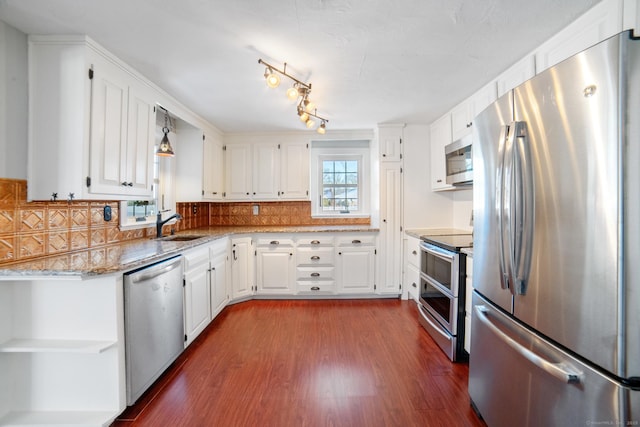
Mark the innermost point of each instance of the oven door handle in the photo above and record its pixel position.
(439, 252)
(435, 326)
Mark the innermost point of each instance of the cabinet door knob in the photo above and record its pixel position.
(414, 252)
(439, 180)
(414, 285)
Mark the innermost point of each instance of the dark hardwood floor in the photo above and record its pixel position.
(310, 363)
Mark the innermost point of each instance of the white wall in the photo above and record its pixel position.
(423, 208)
(462, 207)
(13, 103)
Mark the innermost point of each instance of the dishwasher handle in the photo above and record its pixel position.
(155, 270)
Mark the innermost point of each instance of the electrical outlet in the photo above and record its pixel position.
(256, 209)
(107, 213)
(194, 209)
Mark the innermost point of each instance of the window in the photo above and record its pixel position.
(340, 178)
(340, 184)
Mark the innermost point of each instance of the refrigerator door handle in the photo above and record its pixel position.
(500, 198)
(524, 208)
(557, 370)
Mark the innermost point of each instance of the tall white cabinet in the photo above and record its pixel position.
(389, 260)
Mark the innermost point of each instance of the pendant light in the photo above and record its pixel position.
(165, 149)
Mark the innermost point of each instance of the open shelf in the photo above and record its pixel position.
(57, 418)
(55, 346)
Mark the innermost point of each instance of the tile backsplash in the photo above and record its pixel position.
(29, 230)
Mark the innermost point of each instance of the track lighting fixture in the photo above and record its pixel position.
(165, 149)
(299, 90)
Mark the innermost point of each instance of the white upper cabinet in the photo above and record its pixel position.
(390, 142)
(602, 21)
(440, 136)
(462, 116)
(199, 159)
(267, 171)
(294, 171)
(631, 16)
(213, 169)
(238, 171)
(91, 123)
(266, 164)
(517, 74)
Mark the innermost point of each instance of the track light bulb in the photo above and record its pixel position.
(273, 80)
(309, 106)
(292, 93)
(322, 128)
(303, 116)
(310, 123)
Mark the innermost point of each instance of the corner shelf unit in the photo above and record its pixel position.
(62, 349)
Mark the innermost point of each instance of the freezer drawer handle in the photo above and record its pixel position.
(558, 370)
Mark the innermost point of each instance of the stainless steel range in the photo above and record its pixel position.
(442, 291)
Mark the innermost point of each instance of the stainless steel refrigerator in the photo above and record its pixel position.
(555, 335)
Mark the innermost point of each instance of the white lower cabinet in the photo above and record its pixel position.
(196, 292)
(241, 268)
(411, 267)
(219, 291)
(62, 351)
(315, 270)
(275, 262)
(355, 265)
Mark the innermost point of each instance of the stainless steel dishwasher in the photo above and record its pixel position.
(154, 323)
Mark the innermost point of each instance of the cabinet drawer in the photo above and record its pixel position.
(316, 287)
(314, 241)
(195, 258)
(357, 240)
(314, 273)
(413, 252)
(315, 256)
(274, 241)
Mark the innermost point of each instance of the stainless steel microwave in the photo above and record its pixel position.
(459, 161)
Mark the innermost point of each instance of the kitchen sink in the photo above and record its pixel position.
(180, 238)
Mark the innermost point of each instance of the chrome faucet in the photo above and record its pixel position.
(160, 222)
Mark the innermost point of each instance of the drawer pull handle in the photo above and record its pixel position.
(356, 242)
(315, 242)
(315, 274)
(315, 288)
(274, 242)
(315, 258)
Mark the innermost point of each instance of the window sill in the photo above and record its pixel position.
(354, 215)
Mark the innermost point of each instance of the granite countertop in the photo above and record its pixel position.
(417, 232)
(130, 255)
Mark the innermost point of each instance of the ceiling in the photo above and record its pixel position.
(370, 61)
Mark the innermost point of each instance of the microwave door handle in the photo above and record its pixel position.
(524, 211)
(500, 199)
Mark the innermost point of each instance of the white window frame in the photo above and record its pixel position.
(340, 150)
